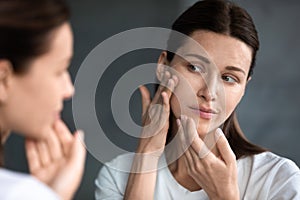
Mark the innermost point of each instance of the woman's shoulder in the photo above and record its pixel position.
(118, 168)
(16, 185)
(120, 163)
(112, 178)
(270, 161)
(267, 175)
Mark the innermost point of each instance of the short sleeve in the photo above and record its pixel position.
(32, 189)
(286, 183)
(106, 185)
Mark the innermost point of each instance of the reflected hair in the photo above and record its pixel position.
(26, 27)
(227, 18)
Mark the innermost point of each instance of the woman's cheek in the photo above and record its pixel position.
(178, 101)
(232, 99)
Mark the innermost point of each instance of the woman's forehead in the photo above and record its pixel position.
(216, 48)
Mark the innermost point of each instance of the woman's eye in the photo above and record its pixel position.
(195, 68)
(229, 79)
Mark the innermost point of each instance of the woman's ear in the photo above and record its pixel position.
(249, 79)
(162, 61)
(5, 74)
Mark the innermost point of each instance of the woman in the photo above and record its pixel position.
(216, 163)
(36, 45)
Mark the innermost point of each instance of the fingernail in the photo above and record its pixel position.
(178, 122)
(175, 79)
(218, 134)
(81, 134)
(204, 151)
(169, 83)
(167, 74)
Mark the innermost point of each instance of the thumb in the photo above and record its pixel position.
(145, 98)
(78, 152)
(224, 147)
(72, 171)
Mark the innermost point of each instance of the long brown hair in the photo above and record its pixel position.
(224, 17)
(25, 31)
(1, 150)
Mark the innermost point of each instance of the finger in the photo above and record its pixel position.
(165, 109)
(146, 100)
(160, 71)
(64, 135)
(163, 84)
(185, 145)
(166, 102)
(154, 112)
(78, 153)
(189, 160)
(169, 88)
(55, 149)
(186, 160)
(182, 142)
(32, 156)
(43, 152)
(72, 171)
(165, 78)
(188, 131)
(158, 111)
(224, 147)
(162, 113)
(171, 85)
(197, 145)
(196, 160)
(210, 140)
(78, 147)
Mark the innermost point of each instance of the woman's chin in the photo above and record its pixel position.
(204, 130)
(40, 133)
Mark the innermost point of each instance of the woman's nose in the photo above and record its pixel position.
(68, 88)
(209, 89)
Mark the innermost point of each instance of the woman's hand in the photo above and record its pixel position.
(155, 115)
(155, 120)
(58, 161)
(216, 175)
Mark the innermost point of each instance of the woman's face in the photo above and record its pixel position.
(216, 79)
(35, 99)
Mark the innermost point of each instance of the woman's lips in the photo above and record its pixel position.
(204, 113)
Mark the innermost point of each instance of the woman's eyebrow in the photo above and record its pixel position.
(204, 59)
(235, 69)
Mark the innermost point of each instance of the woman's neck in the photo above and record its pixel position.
(4, 137)
(2, 141)
(4, 133)
(179, 171)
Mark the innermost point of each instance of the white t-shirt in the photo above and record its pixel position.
(260, 177)
(15, 186)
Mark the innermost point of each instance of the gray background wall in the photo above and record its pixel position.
(270, 111)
